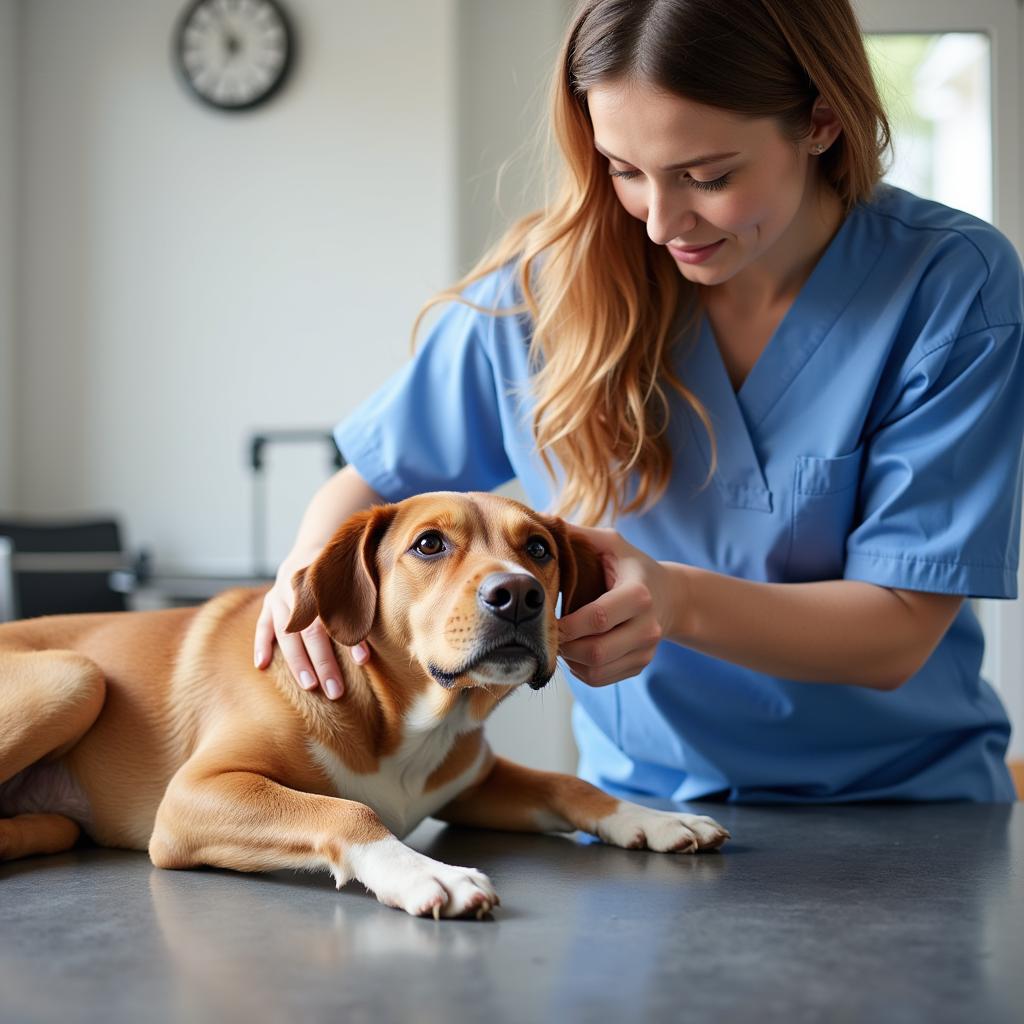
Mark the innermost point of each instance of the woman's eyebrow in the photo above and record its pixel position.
(695, 162)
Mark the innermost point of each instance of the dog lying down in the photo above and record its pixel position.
(153, 730)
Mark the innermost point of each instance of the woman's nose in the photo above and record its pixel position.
(668, 219)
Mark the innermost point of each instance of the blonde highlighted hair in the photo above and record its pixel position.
(607, 305)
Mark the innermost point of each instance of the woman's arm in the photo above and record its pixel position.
(836, 631)
(344, 494)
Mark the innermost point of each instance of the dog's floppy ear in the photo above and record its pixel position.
(581, 573)
(341, 585)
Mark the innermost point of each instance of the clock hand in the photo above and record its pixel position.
(230, 40)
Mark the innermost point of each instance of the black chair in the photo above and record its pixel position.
(56, 568)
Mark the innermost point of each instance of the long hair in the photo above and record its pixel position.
(606, 304)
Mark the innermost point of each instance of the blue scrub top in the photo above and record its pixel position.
(877, 438)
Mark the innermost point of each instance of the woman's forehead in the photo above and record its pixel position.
(631, 119)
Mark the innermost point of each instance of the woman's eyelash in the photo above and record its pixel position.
(711, 186)
(707, 186)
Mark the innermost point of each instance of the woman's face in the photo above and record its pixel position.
(700, 176)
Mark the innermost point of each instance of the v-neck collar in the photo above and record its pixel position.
(828, 290)
(738, 474)
(736, 415)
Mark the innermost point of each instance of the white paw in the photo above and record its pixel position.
(401, 877)
(635, 828)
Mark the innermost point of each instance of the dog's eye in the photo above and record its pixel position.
(429, 543)
(537, 548)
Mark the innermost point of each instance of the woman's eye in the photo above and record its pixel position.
(711, 186)
(537, 548)
(714, 185)
(431, 543)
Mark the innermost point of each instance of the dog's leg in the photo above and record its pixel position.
(247, 822)
(29, 835)
(524, 800)
(48, 701)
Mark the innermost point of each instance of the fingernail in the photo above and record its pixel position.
(332, 688)
(359, 655)
(257, 658)
(306, 681)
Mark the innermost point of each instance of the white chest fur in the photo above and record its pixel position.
(396, 790)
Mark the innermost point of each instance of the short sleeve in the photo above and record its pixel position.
(436, 424)
(940, 498)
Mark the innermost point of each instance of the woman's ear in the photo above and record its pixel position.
(341, 585)
(581, 572)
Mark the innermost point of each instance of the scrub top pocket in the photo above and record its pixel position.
(824, 503)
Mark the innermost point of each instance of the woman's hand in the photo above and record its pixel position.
(309, 653)
(616, 636)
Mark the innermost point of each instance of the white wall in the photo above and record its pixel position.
(507, 54)
(191, 275)
(9, 10)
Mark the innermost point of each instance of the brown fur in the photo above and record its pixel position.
(159, 722)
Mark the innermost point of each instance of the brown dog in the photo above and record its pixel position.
(153, 729)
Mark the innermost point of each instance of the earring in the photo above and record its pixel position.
(818, 149)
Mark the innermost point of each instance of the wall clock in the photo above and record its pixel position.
(233, 54)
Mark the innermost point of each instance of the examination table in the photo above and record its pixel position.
(841, 913)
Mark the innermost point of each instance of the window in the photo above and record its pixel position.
(937, 93)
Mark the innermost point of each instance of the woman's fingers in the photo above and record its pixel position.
(611, 638)
(611, 609)
(605, 673)
(320, 652)
(308, 654)
(638, 637)
(263, 645)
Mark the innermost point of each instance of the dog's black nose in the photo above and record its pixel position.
(513, 596)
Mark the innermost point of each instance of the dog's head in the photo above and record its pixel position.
(463, 584)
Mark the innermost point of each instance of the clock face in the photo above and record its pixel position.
(233, 54)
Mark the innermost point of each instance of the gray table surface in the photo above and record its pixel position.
(857, 913)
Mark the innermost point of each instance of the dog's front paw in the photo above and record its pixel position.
(637, 828)
(402, 877)
(444, 890)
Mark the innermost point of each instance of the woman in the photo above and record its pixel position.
(792, 391)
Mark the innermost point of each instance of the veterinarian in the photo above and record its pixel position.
(791, 395)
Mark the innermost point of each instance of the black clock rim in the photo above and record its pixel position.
(177, 53)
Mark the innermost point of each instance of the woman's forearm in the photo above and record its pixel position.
(837, 631)
(345, 493)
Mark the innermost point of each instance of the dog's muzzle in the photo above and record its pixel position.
(511, 604)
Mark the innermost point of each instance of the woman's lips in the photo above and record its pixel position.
(696, 255)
